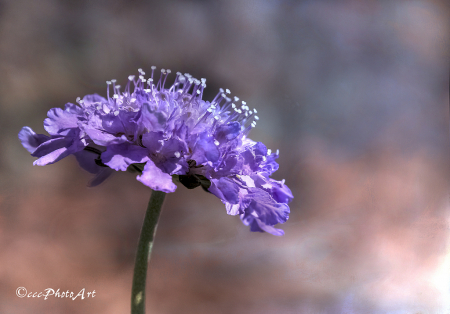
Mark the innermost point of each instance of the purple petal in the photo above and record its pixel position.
(60, 122)
(153, 141)
(205, 150)
(150, 119)
(31, 140)
(56, 149)
(86, 160)
(259, 149)
(265, 208)
(225, 189)
(102, 138)
(154, 178)
(257, 225)
(171, 157)
(120, 156)
(121, 124)
(227, 132)
(52, 157)
(101, 176)
(233, 209)
(52, 145)
(89, 100)
(281, 193)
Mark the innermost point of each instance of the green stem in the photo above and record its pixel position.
(144, 250)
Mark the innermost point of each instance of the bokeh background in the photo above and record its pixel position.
(353, 93)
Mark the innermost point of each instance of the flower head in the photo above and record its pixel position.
(164, 133)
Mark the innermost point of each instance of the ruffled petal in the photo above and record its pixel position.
(150, 120)
(120, 156)
(225, 189)
(256, 225)
(31, 140)
(205, 150)
(60, 122)
(265, 208)
(93, 99)
(156, 179)
(280, 192)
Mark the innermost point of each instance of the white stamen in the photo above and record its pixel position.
(198, 91)
(78, 99)
(277, 152)
(269, 151)
(116, 113)
(168, 71)
(131, 77)
(216, 142)
(233, 106)
(221, 90)
(114, 80)
(236, 98)
(217, 118)
(163, 71)
(117, 86)
(227, 91)
(254, 110)
(116, 96)
(244, 102)
(264, 158)
(282, 182)
(153, 67)
(256, 118)
(142, 78)
(177, 154)
(108, 82)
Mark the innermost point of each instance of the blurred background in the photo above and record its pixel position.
(353, 93)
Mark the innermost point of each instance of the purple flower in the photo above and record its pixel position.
(170, 133)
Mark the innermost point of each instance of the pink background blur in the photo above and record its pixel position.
(353, 93)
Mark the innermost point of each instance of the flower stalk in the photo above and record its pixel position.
(144, 250)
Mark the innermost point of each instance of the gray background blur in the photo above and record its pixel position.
(353, 93)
